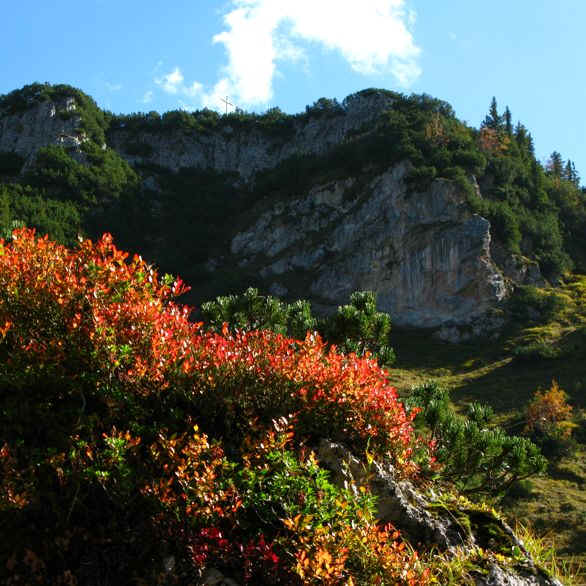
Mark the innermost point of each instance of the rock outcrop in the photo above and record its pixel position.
(246, 152)
(425, 254)
(46, 123)
(451, 527)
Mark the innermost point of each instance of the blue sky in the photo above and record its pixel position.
(140, 56)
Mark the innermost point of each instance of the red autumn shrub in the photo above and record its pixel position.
(260, 374)
(88, 311)
(91, 313)
(102, 378)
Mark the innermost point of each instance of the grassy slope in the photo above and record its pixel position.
(487, 372)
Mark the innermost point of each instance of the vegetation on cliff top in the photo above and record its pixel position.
(93, 120)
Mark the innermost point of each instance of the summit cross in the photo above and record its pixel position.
(226, 100)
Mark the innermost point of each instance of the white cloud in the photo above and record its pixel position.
(173, 83)
(193, 90)
(113, 87)
(148, 97)
(373, 36)
(222, 90)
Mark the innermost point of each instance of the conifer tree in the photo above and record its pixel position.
(521, 136)
(493, 119)
(536, 175)
(508, 122)
(530, 144)
(524, 139)
(555, 165)
(571, 174)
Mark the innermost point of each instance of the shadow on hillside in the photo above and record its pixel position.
(418, 349)
(510, 386)
(485, 372)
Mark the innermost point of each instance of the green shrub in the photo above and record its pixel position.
(24, 205)
(477, 456)
(104, 178)
(420, 178)
(537, 351)
(506, 225)
(471, 161)
(251, 311)
(286, 486)
(358, 327)
(479, 413)
(529, 301)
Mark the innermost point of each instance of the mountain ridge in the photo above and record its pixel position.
(160, 167)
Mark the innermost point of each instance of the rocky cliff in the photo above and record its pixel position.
(422, 250)
(247, 151)
(44, 124)
(425, 254)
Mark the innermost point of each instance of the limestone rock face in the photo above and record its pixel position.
(397, 502)
(425, 519)
(425, 254)
(246, 153)
(500, 576)
(47, 123)
(518, 269)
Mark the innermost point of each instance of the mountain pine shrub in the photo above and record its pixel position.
(475, 455)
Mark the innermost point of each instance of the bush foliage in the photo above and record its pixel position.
(154, 449)
(252, 311)
(477, 456)
(549, 421)
(356, 328)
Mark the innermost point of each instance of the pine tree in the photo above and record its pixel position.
(571, 174)
(530, 144)
(508, 122)
(536, 176)
(524, 139)
(493, 119)
(555, 165)
(521, 136)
